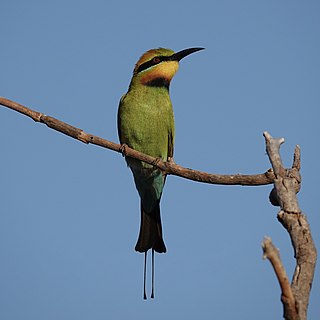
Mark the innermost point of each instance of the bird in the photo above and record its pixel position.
(146, 124)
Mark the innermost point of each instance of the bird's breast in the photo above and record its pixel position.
(146, 121)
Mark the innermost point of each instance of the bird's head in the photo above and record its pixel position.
(157, 67)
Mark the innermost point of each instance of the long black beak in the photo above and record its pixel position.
(183, 53)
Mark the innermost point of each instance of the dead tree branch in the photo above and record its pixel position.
(286, 185)
(167, 167)
(271, 253)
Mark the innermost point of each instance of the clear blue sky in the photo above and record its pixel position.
(69, 213)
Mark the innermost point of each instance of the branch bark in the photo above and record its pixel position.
(167, 167)
(286, 186)
(271, 253)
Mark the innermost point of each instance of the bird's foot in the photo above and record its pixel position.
(171, 160)
(123, 150)
(157, 161)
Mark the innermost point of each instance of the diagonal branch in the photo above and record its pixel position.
(167, 167)
(271, 253)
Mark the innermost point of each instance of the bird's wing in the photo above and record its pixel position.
(119, 118)
(170, 145)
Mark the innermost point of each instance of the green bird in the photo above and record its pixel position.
(146, 124)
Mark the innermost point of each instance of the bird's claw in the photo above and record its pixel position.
(157, 161)
(123, 150)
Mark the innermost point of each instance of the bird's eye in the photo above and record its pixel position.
(156, 60)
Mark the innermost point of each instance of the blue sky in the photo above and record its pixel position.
(69, 213)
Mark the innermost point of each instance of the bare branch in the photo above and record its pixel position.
(297, 158)
(305, 253)
(271, 253)
(273, 151)
(286, 182)
(167, 167)
(286, 185)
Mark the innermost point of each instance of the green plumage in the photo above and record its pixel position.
(146, 124)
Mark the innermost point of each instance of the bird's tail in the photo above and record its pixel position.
(150, 235)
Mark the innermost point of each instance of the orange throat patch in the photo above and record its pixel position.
(165, 70)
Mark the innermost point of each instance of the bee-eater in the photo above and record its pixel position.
(146, 124)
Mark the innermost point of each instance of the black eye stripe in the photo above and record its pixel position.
(154, 61)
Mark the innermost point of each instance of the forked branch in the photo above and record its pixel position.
(286, 185)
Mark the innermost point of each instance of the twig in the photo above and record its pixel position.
(167, 167)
